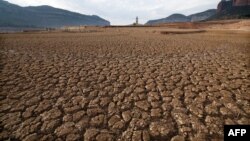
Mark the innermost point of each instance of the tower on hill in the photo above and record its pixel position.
(137, 20)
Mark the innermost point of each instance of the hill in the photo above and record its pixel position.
(182, 18)
(171, 18)
(12, 15)
(202, 15)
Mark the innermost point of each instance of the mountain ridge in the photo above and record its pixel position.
(12, 15)
(183, 18)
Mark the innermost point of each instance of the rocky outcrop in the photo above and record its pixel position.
(228, 4)
(224, 5)
(232, 9)
(241, 2)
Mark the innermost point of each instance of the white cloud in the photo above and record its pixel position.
(125, 11)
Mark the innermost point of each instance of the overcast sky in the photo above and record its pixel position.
(121, 12)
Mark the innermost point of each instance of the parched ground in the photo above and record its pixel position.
(126, 84)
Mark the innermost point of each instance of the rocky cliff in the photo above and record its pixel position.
(241, 2)
(224, 5)
(232, 9)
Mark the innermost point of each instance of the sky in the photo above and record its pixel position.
(123, 12)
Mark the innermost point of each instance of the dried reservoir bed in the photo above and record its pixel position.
(123, 84)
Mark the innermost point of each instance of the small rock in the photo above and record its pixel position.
(43, 106)
(94, 111)
(113, 120)
(139, 90)
(83, 123)
(210, 109)
(90, 134)
(144, 105)
(197, 110)
(145, 136)
(178, 138)
(126, 116)
(185, 129)
(119, 125)
(104, 101)
(80, 101)
(72, 137)
(229, 121)
(65, 129)
(72, 109)
(52, 114)
(181, 118)
(49, 126)
(161, 129)
(112, 108)
(155, 104)
(77, 116)
(138, 123)
(32, 137)
(225, 111)
(156, 112)
(153, 96)
(136, 136)
(97, 120)
(67, 118)
(127, 135)
(104, 137)
(48, 137)
(243, 121)
(116, 122)
(199, 137)
(150, 87)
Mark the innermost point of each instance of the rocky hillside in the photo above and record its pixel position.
(242, 12)
(202, 16)
(239, 9)
(43, 16)
(171, 18)
(182, 18)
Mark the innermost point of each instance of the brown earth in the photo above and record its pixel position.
(132, 84)
(243, 25)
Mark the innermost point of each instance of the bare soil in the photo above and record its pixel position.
(218, 25)
(127, 84)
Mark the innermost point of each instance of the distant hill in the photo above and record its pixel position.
(182, 18)
(43, 16)
(171, 18)
(202, 15)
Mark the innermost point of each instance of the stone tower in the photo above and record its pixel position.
(136, 20)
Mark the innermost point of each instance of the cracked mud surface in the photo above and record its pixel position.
(123, 84)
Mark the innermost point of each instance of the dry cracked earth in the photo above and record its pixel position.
(123, 85)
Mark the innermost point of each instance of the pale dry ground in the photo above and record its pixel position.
(123, 84)
(240, 25)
